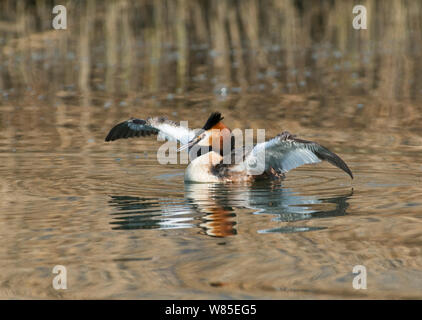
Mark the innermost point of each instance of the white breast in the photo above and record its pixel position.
(199, 170)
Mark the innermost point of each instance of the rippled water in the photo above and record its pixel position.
(126, 227)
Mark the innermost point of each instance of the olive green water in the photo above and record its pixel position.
(125, 226)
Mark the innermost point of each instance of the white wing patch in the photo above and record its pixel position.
(172, 132)
(297, 157)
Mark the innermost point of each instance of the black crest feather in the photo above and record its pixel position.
(214, 118)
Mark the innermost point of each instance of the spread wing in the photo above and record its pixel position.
(285, 152)
(160, 126)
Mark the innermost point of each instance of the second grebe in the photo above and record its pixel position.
(270, 159)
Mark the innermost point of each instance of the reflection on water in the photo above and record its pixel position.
(213, 207)
(149, 213)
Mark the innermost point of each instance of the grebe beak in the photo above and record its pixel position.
(194, 141)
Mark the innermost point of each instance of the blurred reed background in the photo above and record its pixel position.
(156, 46)
(182, 55)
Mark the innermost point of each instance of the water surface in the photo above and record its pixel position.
(126, 227)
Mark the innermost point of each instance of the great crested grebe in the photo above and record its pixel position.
(269, 159)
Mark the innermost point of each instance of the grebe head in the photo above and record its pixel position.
(214, 136)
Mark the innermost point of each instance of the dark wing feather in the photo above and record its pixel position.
(325, 154)
(131, 128)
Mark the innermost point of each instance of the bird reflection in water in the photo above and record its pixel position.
(212, 208)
